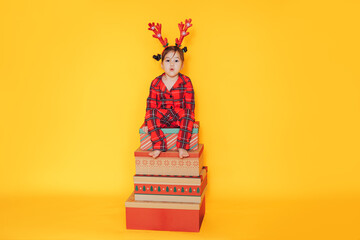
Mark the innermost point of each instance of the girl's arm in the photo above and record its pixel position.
(189, 96)
(151, 101)
(190, 99)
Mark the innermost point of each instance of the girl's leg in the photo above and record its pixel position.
(153, 121)
(186, 122)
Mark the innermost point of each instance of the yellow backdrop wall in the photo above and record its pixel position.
(276, 85)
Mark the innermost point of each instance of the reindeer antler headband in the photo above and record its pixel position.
(183, 33)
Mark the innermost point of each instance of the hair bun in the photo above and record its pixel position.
(157, 57)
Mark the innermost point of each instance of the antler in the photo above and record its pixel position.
(183, 28)
(157, 30)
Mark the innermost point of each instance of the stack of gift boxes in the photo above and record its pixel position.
(169, 192)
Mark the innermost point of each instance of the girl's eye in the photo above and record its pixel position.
(176, 60)
(167, 60)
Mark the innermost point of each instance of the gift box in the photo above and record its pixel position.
(171, 135)
(166, 216)
(170, 188)
(169, 163)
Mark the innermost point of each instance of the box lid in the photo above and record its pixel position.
(131, 203)
(174, 180)
(192, 154)
(171, 130)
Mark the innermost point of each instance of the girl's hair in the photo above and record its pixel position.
(173, 49)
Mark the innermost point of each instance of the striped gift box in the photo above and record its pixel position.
(171, 135)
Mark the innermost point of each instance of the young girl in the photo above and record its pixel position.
(170, 104)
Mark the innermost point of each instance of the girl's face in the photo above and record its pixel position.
(172, 64)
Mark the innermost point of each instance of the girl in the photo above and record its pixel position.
(170, 104)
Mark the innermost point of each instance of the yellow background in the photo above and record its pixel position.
(277, 95)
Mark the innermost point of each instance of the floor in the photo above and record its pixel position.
(103, 217)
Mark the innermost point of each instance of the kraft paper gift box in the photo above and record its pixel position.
(165, 216)
(171, 135)
(170, 188)
(169, 163)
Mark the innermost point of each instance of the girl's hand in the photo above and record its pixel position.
(196, 125)
(145, 129)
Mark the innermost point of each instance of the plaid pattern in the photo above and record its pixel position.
(180, 96)
(173, 108)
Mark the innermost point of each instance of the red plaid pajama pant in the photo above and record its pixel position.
(162, 118)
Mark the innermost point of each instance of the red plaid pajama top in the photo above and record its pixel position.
(174, 108)
(180, 96)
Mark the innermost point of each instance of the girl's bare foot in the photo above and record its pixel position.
(155, 153)
(145, 129)
(183, 153)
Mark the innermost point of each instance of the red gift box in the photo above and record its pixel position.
(165, 216)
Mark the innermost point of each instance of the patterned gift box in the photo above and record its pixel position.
(169, 163)
(165, 216)
(170, 188)
(171, 135)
